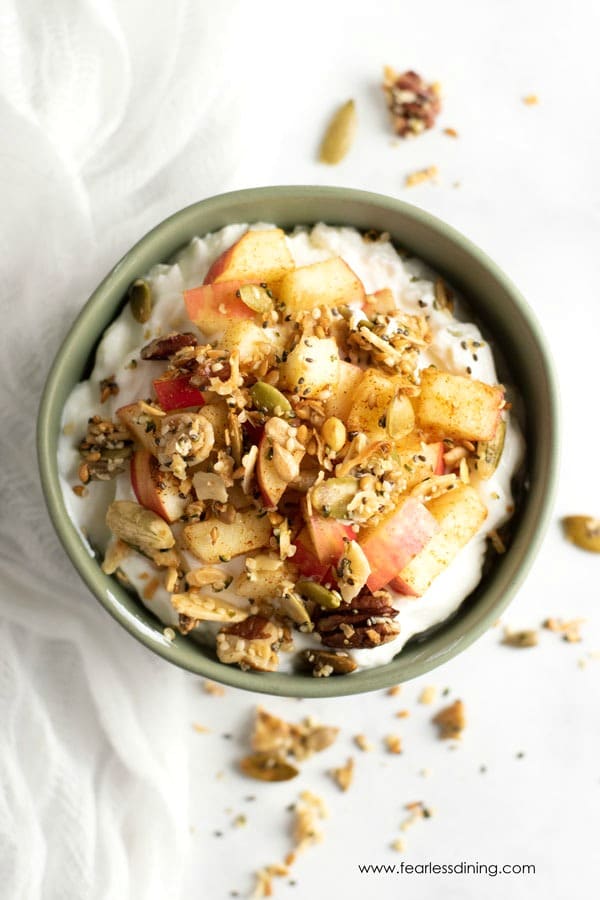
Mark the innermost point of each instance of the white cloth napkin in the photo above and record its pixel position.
(108, 112)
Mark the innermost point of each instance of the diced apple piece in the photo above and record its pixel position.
(177, 393)
(258, 256)
(381, 302)
(452, 406)
(459, 514)
(311, 366)
(154, 489)
(390, 545)
(212, 306)
(306, 559)
(328, 537)
(370, 401)
(329, 283)
(214, 541)
(272, 485)
(419, 460)
(342, 398)
(141, 425)
(249, 339)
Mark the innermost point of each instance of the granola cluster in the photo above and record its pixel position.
(413, 103)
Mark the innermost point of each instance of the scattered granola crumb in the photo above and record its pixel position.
(398, 845)
(569, 629)
(413, 104)
(344, 775)
(393, 743)
(240, 821)
(80, 490)
(531, 100)
(307, 812)
(211, 687)
(421, 176)
(416, 811)
(523, 638)
(403, 714)
(200, 729)
(451, 720)
(428, 695)
(169, 634)
(497, 542)
(451, 132)
(395, 690)
(108, 388)
(276, 736)
(264, 880)
(425, 773)
(363, 743)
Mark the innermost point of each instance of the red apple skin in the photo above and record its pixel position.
(328, 537)
(208, 301)
(307, 560)
(401, 587)
(392, 544)
(177, 393)
(155, 490)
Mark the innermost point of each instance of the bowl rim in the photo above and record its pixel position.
(280, 683)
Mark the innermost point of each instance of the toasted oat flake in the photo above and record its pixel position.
(200, 729)
(399, 845)
(414, 179)
(343, 776)
(403, 714)
(394, 690)
(428, 695)
(211, 687)
(531, 100)
(451, 132)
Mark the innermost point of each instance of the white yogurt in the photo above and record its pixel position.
(378, 265)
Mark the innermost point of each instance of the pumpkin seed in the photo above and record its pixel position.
(489, 452)
(267, 767)
(140, 300)
(292, 606)
(256, 297)
(325, 598)
(583, 531)
(339, 135)
(138, 526)
(268, 399)
(331, 497)
(525, 638)
(317, 660)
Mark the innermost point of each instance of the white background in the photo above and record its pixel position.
(113, 117)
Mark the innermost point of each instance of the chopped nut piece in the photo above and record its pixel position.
(108, 388)
(307, 813)
(451, 720)
(413, 104)
(421, 176)
(570, 629)
(211, 687)
(362, 743)
(524, 638)
(344, 774)
(393, 743)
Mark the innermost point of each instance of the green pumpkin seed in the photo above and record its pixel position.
(268, 399)
(140, 300)
(331, 497)
(583, 531)
(525, 638)
(489, 452)
(256, 297)
(339, 135)
(325, 598)
(267, 767)
(317, 660)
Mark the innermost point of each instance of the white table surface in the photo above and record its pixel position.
(529, 194)
(523, 182)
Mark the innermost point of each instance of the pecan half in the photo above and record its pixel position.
(251, 629)
(365, 622)
(168, 344)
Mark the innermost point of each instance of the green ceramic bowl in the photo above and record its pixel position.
(495, 303)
